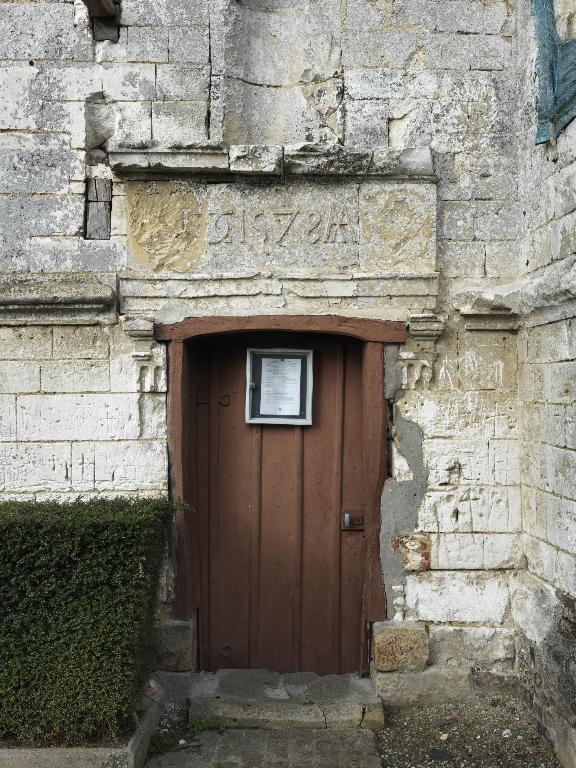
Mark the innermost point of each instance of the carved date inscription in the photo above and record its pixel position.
(335, 224)
(324, 227)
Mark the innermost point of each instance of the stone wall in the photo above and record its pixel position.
(543, 598)
(80, 414)
(347, 215)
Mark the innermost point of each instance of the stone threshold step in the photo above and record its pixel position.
(288, 748)
(256, 698)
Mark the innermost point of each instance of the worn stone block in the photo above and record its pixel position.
(7, 418)
(129, 82)
(44, 214)
(19, 377)
(78, 417)
(178, 123)
(162, 12)
(175, 645)
(147, 44)
(367, 123)
(132, 123)
(33, 467)
(182, 81)
(80, 343)
(75, 376)
(457, 597)
(432, 686)
(133, 465)
(473, 551)
(399, 646)
(20, 108)
(459, 647)
(33, 163)
(42, 30)
(189, 44)
(461, 259)
(25, 343)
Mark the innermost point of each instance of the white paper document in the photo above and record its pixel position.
(280, 386)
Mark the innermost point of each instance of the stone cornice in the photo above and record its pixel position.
(52, 299)
(293, 160)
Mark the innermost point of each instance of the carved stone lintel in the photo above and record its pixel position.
(57, 299)
(418, 357)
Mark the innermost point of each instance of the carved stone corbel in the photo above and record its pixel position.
(141, 331)
(418, 356)
(149, 367)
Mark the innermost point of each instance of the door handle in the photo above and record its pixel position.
(353, 520)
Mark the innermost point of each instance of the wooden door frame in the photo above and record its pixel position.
(181, 443)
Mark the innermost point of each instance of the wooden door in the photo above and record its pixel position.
(279, 582)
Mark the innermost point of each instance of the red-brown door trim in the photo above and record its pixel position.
(383, 331)
(374, 334)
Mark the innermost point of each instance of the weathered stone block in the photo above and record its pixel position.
(19, 377)
(189, 44)
(415, 549)
(178, 123)
(175, 645)
(472, 551)
(182, 81)
(255, 158)
(33, 467)
(162, 12)
(399, 646)
(38, 164)
(132, 465)
(132, 123)
(147, 44)
(80, 343)
(75, 376)
(78, 417)
(457, 597)
(19, 107)
(42, 30)
(129, 82)
(25, 343)
(432, 686)
(7, 418)
(486, 647)
(367, 123)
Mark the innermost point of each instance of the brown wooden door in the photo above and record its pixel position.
(280, 581)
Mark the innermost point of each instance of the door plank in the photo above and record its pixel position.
(353, 542)
(229, 510)
(279, 548)
(322, 503)
(374, 440)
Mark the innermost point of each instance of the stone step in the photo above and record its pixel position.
(255, 698)
(288, 748)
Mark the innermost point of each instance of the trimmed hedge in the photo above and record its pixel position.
(77, 594)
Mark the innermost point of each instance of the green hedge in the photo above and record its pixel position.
(77, 592)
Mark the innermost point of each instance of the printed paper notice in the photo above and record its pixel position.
(280, 386)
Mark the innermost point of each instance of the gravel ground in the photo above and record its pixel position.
(492, 730)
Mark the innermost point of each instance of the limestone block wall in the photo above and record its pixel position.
(477, 513)
(79, 414)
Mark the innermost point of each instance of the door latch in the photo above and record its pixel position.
(352, 520)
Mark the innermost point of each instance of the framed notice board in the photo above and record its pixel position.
(279, 386)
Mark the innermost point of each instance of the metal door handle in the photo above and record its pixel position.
(347, 520)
